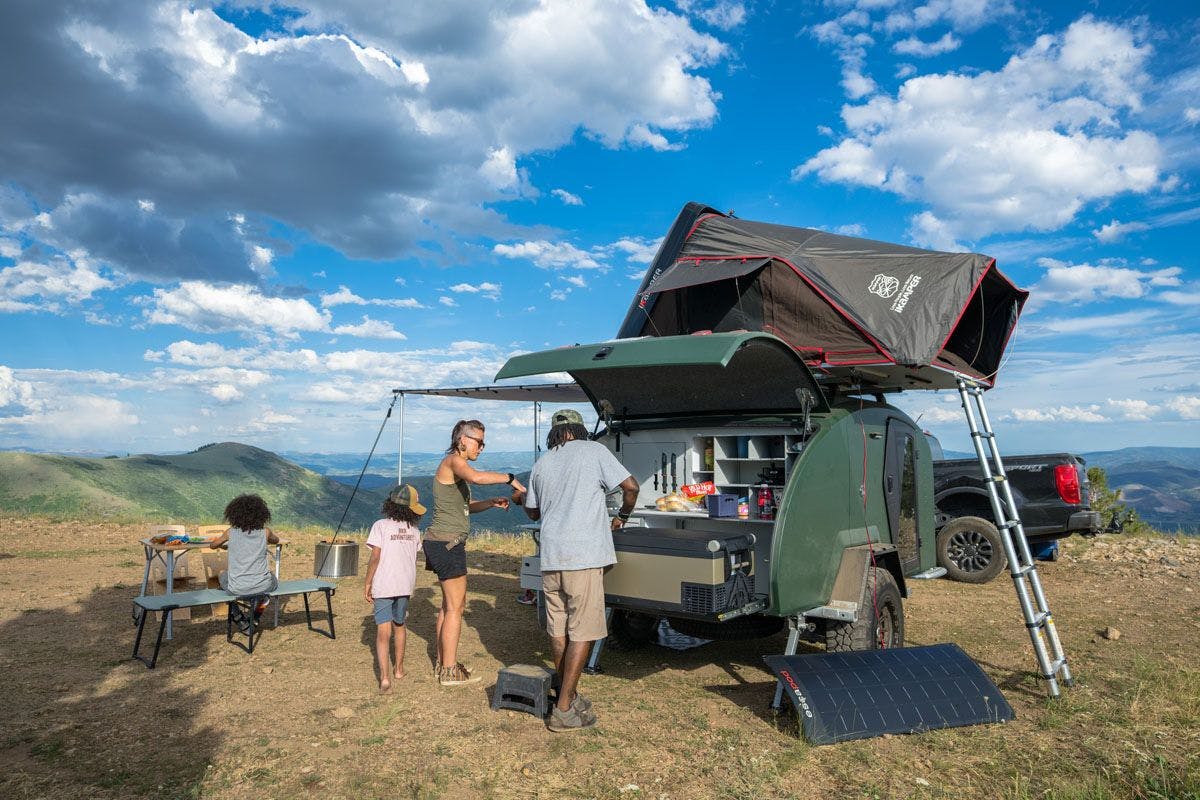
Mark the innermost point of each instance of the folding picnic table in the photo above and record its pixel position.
(165, 554)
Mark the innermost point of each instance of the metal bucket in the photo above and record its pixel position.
(335, 559)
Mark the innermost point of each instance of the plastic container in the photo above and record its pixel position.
(722, 505)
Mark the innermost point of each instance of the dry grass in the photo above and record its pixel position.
(301, 715)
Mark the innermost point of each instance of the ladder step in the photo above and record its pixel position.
(1039, 620)
(983, 434)
(1055, 667)
(1021, 572)
(998, 478)
(1005, 526)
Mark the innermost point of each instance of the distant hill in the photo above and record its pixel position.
(189, 488)
(193, 488)
(1161, 483)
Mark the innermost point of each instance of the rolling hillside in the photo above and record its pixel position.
(192, 487)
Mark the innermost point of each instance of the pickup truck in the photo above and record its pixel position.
(1051, 493)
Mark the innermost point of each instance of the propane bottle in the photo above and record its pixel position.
(766, 502)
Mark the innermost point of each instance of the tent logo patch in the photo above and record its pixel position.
(883, 285)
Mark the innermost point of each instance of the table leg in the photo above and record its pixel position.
(145, 579)
(278, 556)
(170, 589)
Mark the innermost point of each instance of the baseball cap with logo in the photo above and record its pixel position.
(406, 495)
(566, 416)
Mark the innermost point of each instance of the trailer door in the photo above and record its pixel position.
(900, 489)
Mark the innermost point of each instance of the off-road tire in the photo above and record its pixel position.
(881, 605)
(970, 549)
(630, 630)
(751, 626)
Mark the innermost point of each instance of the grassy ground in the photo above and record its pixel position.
(301, 715)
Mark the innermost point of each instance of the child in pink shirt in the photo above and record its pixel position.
(391, 574)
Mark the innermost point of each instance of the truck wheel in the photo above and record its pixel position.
(970, 550)
(751, 626)
(629, 630)
(880, 623)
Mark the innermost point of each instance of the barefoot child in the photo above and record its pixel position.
(391, 574)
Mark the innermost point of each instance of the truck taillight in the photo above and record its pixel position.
(1066, 480)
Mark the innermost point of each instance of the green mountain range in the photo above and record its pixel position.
(193, 489)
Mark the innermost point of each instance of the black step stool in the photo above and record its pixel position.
(524, 687)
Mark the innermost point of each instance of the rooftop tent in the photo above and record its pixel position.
(859, 311)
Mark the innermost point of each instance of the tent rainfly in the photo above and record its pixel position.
(861, 312)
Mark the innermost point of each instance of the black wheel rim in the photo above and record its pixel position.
(971, 551)
(885, 628)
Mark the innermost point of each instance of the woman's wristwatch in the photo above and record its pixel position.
(511, 478)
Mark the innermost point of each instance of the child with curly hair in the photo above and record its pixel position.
(391, 575)
(249, 571)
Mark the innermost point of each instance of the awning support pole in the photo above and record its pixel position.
(400, 449)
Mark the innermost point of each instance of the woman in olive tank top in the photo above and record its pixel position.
(445, 541)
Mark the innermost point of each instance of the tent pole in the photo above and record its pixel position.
(400, 449)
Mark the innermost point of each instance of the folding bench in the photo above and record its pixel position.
(201, 597)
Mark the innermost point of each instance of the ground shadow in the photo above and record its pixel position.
(89, 721)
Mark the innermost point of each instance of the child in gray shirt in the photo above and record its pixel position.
(249, 570)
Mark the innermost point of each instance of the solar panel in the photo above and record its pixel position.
(842, 696)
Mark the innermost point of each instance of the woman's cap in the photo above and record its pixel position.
(566, 416)
(406, 495)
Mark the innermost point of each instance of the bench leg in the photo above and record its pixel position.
(137, 642)
(248, 614)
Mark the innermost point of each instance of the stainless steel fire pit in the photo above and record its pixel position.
(337, 559)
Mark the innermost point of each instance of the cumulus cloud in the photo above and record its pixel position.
(179, 124)
(1066, 282)
(723, 14)
(343, 296)
(210, 354)
(1024, 147)
(1187, 407)
(489, 290)
(549, 255)
(449, 302)
(1089, 413)
(16, 396)
(370, 329)
(566, 197)
(913, 46)
(209, 308)
(1117, 230)
(49, 283)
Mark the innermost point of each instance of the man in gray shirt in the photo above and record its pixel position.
(566, 493)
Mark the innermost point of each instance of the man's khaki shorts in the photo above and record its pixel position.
(575, 604)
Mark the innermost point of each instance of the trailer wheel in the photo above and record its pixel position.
(880, 623)
(970, 550)
(752, 626)
(630, 630)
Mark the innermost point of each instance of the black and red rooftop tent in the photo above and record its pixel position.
(865, 313)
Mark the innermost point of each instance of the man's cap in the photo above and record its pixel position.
(566, 416)
(406, 495)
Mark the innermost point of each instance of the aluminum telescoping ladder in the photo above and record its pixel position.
(1038, 620)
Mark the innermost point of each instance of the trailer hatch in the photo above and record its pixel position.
(742, 373)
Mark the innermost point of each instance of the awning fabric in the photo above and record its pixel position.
(700, 271)
(528, 393)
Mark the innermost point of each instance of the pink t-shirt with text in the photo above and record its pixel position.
(398, 543)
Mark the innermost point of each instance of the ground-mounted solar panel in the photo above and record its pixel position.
(841, 696)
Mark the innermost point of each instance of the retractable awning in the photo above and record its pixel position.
(529, 393)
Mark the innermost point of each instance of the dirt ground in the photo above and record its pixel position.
(302, 716)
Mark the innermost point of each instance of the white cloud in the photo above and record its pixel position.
(205, 307)
(1102, 325)
(1065, 282)
(1186, 407)
(566, 197)
(853, 229)
(62, 417)
(449, 302)
(559, 294)
(70, 281)
(576, 280)
(370, 329)
(489, 290)
(15, 395)
(1025, 147)
(1132, 410)
(1089, 413)
(723, 14)
(211, 354)
(1191, 115)
(914, 46)
(224, 392)
(343, 296)
(961, 15)
(9, 248)
(1189, 297)
(1115, 230)
(549, 255)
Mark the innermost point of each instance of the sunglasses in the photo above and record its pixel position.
(476, 440)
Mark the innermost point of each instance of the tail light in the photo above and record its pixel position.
(1066, 480)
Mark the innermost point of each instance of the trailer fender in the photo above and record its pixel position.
(851, 580)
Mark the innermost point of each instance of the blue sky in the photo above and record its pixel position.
(250, 221)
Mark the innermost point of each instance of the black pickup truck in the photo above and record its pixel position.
(1051, 493)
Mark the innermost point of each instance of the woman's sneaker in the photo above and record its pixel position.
(575, 718)
(458, 675)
